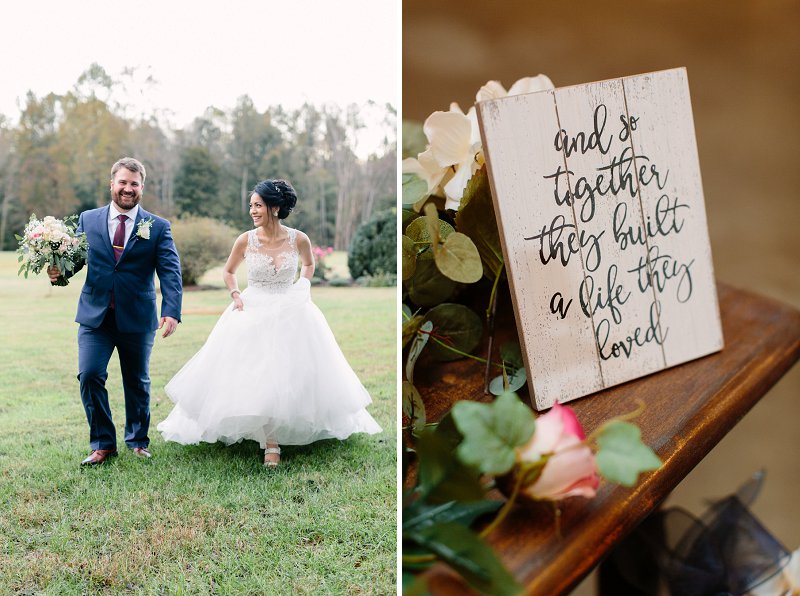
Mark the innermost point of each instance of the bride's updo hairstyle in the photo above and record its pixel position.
(277, 193)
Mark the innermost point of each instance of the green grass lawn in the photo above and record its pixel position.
(205, 519)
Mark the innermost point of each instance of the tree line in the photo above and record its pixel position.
(56, 159)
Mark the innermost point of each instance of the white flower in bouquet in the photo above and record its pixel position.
(454, 152)
(51, 242)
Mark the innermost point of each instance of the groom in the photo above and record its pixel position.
(117, 308)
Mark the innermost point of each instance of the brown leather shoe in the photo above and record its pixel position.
(142, 452)
(98, 456)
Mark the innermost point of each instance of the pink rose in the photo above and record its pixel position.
(570, 469)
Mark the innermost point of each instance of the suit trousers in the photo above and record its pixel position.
(95, 346)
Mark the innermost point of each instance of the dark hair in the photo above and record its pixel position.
(277, 193)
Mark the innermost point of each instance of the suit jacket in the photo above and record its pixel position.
(131, 277)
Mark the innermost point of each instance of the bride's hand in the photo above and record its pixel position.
(237, 303)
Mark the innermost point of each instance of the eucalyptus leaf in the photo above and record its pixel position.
(465, 552)
(458, 259)
(511, 354)
(410, 328)
(414, 189)
(441, 476)
(622, 455)
(422, 514)
(492, 432)
(476, 219)
(457, 326)
(414, 140)
(409, 257)
(420, 339)
(408, 216)
(413, 406)
(419, 232)
(515, 382)
(406, 312)
(428, 287)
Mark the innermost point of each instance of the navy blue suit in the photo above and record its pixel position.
(129, 327)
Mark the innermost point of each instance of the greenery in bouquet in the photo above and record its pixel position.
(451, 253)
(51, 242)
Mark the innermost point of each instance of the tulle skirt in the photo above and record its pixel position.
(272, 372)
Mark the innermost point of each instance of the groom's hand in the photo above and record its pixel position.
(169, 325)
(53, 273)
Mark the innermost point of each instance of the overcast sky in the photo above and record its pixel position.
(205, 52)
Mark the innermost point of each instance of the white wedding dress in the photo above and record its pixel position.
(272, 372)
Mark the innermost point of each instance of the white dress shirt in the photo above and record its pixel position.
(113, 222)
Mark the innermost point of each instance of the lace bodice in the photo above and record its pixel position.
(273, 270)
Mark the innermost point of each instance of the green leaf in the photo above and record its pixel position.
(457, 326)
(410, 328)
(420, 339)
(428, 287)
(413, 406)
(441, 476)
(622, 455)
(476, 219)
(419, 232)
(515, 381)
(409, 257)
(414, 140)
(458, 259)
(469, 555)
(414, 189)
(414, 585)
(492, 432)
(408, 216)
(421, 514)
(511, 354)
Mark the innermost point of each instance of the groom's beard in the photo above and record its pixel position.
(125, 200)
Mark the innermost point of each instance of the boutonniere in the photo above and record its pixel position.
(143, 229)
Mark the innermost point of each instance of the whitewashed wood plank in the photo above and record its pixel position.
(603, 185)
(664, 140)
(560, 354)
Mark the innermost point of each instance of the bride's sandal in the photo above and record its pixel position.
(269, 460)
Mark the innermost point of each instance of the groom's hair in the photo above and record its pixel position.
(129, 163)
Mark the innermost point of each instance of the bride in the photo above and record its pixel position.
(271, 369)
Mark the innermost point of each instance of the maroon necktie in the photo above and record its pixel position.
(119, 237)
(118, 245)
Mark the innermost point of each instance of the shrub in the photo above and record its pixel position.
(339, 282)
(374, 246)
(378, 280)
(202, 243)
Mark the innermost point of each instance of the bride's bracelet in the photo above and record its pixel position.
(234, 292)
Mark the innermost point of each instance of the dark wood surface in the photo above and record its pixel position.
(688, 409)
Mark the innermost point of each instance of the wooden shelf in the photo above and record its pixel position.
(689, 409)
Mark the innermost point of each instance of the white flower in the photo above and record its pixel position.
(426, 167)
(143, 229)
(454, 151)
(494, 90)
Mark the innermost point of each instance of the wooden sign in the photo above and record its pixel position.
(599, 202)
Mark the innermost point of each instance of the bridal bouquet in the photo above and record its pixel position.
(51, 242)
